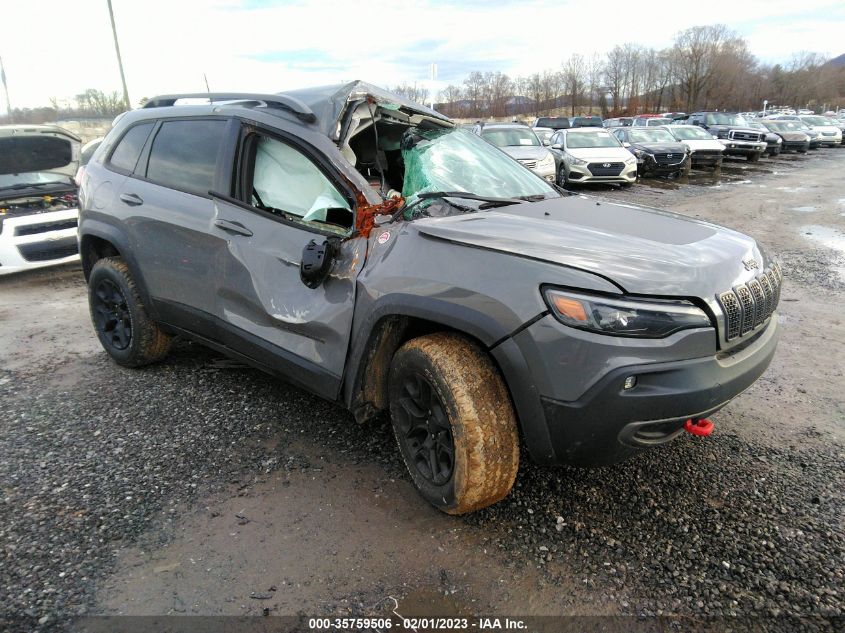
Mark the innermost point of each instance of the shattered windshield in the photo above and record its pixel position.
(456, 160)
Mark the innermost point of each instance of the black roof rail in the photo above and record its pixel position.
(278, 101)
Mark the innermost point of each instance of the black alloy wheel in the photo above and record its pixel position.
(424, 430)
(111, 315)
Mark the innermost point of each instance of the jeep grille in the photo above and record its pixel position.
(748, 306)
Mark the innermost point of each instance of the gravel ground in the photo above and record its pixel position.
(95, 459)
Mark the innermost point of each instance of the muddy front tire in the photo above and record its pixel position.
(454, 422)
(120, 317)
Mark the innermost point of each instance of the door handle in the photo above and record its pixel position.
(132, 199)
(232, 227)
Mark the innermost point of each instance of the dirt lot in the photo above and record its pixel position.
(200, 487)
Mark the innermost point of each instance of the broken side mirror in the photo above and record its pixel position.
(316, 262)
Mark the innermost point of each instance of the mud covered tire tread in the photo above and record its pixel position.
(149, 344)
(480, 412)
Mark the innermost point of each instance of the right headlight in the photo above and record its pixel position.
(631, 160)
(624, 316)
(577, 161)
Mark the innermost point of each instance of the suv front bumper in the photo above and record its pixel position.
(38, 239)
(742, 148)
(582, 173)
(607, 423)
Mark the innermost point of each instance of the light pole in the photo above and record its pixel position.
(119, 60)
(5, 90)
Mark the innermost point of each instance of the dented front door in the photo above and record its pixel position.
(267, 312)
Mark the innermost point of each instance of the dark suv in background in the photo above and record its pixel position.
(733, 131)
(335, 237)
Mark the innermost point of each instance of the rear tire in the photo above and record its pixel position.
(120, 318)
(454, 422)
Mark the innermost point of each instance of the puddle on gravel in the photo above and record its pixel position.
(828, 237)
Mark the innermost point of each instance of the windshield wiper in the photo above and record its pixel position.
(428, 195)
(34, 185)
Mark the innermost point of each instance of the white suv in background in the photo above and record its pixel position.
(38, 197)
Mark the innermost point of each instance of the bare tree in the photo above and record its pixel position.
(418, 94)
(574, 70)
(696, 51)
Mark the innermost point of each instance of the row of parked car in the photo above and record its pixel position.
(586, 149)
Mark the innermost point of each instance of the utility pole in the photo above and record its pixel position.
(119, 60)
(433, 76)
(5, 90)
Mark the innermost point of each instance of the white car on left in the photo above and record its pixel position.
(38, 197)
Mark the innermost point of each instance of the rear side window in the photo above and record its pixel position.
(184, 154)
(125, 155)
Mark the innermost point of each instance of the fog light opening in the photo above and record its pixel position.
(630, 383)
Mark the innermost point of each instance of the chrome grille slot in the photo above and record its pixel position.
(733, 314)
(773, 279)
(750, 305)
(759, 303)
(747, 303)
(770, 295)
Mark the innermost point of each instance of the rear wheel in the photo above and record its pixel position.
(120, 318)
(454, 422)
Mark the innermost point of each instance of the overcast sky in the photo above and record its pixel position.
(58, 48)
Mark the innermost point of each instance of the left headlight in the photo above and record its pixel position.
(623, 316)
(631, 160)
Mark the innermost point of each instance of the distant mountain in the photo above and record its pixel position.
(839, 62)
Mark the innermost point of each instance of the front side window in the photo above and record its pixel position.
(125, 155)
(183, 155)
(285, 180)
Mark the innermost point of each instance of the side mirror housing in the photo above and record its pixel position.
(557, 146)
(626, 144)
(546, 142)
(316, 262)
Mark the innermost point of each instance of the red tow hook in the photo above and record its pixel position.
(702, 427)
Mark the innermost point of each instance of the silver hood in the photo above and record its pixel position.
(643, 251)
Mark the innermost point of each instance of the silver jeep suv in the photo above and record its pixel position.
(364, 248)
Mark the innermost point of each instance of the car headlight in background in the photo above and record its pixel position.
(548, 161)
(623, 316)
